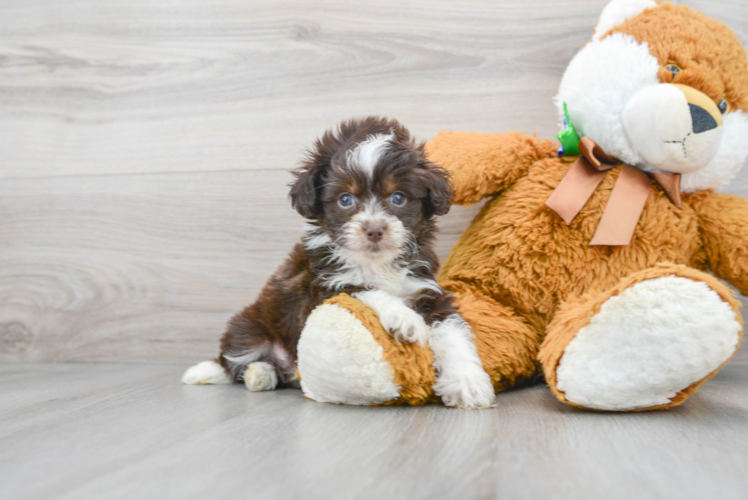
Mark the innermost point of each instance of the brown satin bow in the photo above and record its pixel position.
(626, 202)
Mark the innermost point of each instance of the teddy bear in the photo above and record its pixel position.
(589, 263)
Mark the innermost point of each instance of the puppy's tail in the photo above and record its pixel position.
(206, 373)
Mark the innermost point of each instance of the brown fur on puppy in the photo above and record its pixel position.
(370, 196)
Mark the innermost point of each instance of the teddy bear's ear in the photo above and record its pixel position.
(617, 11)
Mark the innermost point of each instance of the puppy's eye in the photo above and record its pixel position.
(674, 69)
(723, 106)
(398, 199)
(346, 200)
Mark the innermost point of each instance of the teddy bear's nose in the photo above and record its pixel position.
(675, 128)
(705, 115)
(701, 119)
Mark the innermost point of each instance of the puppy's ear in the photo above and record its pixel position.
(304, 191)
(440, 189)
(307, 188)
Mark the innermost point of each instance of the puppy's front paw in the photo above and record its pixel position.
(469, 389)
(405, 325)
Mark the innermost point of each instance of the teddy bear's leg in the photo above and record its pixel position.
(506, 344)
(645, 344)
(345, 356)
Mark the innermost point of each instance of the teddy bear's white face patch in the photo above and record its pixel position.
(730, 157)
(675, 128)
(599, 82)
(614, 97)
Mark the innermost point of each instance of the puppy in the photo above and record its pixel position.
(371, 196)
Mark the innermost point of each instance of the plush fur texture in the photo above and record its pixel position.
(371, 196)
(712, 60)
(675, 129)
(659, 336)
(335, 346)
(575, 315)
(598, 84)
(633, 319)
(630, 59)
(518, 262)
(618, 11)
(332, 350)
(345, 356)
(730, 157)
(335, 368)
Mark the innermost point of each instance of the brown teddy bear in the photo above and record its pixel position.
(587, 264)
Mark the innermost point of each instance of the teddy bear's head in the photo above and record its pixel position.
(664, 88)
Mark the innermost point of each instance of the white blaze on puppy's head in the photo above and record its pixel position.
(370, 195)
(367, 154)
(371, 234)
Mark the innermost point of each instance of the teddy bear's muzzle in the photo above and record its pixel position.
(675, 128)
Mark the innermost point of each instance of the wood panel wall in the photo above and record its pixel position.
(145, 144)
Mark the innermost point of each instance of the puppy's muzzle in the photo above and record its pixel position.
(375, 231)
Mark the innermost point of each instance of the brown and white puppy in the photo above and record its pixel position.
(370, 196)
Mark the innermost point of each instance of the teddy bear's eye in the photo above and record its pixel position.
(723, 106)
(674, 69)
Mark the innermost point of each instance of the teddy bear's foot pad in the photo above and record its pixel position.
(647, 344)
(340, 362)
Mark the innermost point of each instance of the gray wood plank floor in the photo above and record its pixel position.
(109, 431)
(144, 156)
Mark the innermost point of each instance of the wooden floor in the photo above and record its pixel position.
(133, 432)
(144, 155)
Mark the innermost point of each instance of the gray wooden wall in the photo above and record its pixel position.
(145, 144)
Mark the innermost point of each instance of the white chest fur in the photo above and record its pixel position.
(387, 277)
(374, 272)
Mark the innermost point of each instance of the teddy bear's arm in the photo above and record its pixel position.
(483, 164)
(723, 220)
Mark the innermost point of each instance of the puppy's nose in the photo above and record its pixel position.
(701, 119)
(374, 231)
